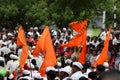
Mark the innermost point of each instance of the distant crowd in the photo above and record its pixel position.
(67, 67)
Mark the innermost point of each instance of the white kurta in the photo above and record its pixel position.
(77, 75)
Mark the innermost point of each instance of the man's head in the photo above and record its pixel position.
(65, 72)
(100, 69)
(76, 67)
(51, 75)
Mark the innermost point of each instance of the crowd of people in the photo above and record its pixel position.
(67, 67)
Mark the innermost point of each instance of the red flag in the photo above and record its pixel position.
(104, 54)
(21, 41)
(50, 57)
(82, 56)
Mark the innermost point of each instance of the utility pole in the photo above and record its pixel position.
(114, 10)
(103, 21)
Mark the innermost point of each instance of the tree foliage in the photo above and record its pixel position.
(60, 12)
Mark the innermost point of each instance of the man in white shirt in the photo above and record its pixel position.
(4, 49)
(76, 71)
(65, 73)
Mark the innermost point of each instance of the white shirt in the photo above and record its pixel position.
(4, 36)
(77, 75)
(87, 72)
(19, 52)
(14, 65)
(5, 50)
(26, 77)
(12, 46)
(30, 33)
(95, 43)
(103, 35)
(38, 34)
(9, 42)
(8, 65)
(39, 61)
(115, 41)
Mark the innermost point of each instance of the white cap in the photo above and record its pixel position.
(36, 75)
(69, 61)
(35, 28)
(59, 64)
(10, 34)
(106, 64)
(66, 69)
(2, 59)
(78, 64)
(50, 68)
(26, 72)
(64, 29)
(13, 56)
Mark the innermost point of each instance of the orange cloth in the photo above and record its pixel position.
(76, 41)
(23, 56)
(78, 26)
(82, 56)
(21, 41)
(40, 47)
(50, 57)
(104, 54)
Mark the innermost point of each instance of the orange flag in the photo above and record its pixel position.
(104, 54)
(78, 26)
(82, 56)
(21, 41)
(50, 57)
(76, 41)
(40, 47)
(23, 56)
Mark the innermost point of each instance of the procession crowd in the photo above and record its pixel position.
(67, 67)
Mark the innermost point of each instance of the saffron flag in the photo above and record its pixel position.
(23, 56)
(82, 56)
(21, 41)
(104, 53)
(40, 46)
(76, 41)
(50, 57)
(78, 26)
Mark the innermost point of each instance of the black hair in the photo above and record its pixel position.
(83, 78)
(33, 61)
(92, 75)
(100, 68)
(51, 74)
